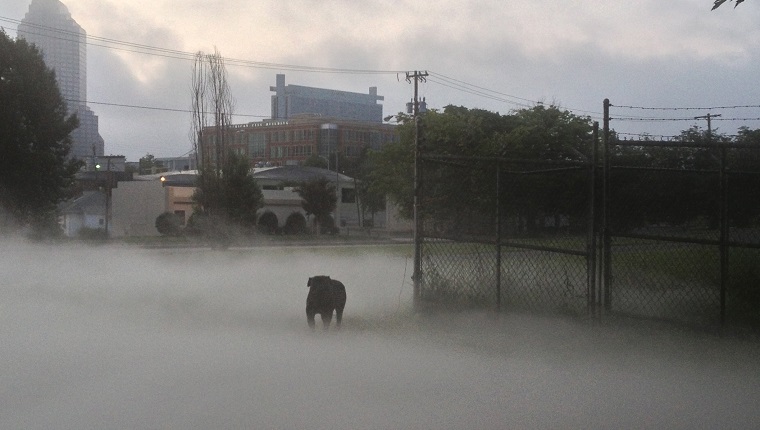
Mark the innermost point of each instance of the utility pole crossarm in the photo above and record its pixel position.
(708, 117)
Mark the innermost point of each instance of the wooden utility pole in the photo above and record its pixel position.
(417, 76)
(107, 188)
(708, 117)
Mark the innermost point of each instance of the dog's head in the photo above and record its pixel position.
(318, 281)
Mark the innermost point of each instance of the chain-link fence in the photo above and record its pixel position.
(683, 231)
(501, 232)
(655, 229)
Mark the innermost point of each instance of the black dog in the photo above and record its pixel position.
(325, 296)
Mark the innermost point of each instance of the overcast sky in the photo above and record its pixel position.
(488, 54)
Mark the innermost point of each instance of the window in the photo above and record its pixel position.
(257, 144)
(353, 150)
(347, 195)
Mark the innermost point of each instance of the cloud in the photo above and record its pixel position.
(576, 52)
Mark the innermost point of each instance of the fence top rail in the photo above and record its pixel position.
(666, 169)
(681, 239)
(684, 144)
(462, 158)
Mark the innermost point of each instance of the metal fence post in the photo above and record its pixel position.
(606, 257)
(498, 236)
(593, 224)
(724, 234)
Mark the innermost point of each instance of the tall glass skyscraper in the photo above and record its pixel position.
(50, 27)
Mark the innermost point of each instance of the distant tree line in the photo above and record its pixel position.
(680, 185)
(544, 153)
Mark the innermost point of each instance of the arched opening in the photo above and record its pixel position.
(267, 223)
(295, 224)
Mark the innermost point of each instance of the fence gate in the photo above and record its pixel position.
(682, 236)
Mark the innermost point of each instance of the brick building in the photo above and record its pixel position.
(291, 142)
(308, 122)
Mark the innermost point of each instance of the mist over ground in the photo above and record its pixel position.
(120, 337)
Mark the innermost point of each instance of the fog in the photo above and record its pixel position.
(120, 337)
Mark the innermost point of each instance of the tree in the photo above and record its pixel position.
(227, 196)
(35, 170)
(212, 106)
(319, 199)
(543, 133)
(680, 184)
(149, 165)
(552, 138)
(718, 3)
(315, 161)
(547, 133)
(370, 200)
(242, 195)
(744, 183)
(232, 199)
(392, 172)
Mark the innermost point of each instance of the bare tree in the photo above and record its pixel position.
(212, 108)
(198, 107)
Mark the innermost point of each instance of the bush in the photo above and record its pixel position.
(327, 226)
(169, 224)
(87, 233)
(213, 229)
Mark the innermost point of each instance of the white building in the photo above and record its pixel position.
(85, 212)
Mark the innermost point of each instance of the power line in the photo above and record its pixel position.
(184, 55)
(465, 89)
(138, 48)
(479, 90)
(495, 95)
(87, 102)
(477, 93)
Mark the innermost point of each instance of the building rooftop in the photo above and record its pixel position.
(294, 174)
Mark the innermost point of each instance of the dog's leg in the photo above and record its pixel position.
(326, 319)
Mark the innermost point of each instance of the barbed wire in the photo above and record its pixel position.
(687, 108)
(633, 118)
(656, 137)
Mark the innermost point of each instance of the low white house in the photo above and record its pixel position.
(87, 211)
